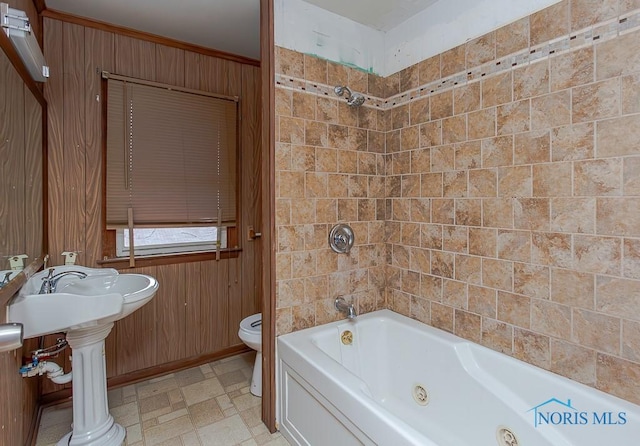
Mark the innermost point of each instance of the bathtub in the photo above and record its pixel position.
(395, 381)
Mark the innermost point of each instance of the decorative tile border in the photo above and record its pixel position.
(600, 32)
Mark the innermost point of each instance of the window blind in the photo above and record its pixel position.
(171, 156)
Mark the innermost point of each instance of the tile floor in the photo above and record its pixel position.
(209, 405)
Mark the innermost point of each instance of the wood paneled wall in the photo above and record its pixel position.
(200, 304)
(18, 396)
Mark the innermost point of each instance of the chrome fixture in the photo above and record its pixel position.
(5, 280)
(353, 99)
(11, 336)
(343, 307)
(341, 238)
(15, 24)
(50, 282)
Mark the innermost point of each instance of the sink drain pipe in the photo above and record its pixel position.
(39, 364)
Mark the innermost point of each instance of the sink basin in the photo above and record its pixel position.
(102, 297)
(134, 289)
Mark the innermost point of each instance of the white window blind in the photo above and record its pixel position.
(171, 156)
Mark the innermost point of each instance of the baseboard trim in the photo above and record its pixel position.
(64, 395)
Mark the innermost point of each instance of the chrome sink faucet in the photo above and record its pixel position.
(50, 282)
(342, 306)
(5, 279)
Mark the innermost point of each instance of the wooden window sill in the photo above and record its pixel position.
(169, 259)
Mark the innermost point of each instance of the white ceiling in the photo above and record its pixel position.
(227, 25)
(382, 15)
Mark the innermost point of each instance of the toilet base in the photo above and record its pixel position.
(256, 379)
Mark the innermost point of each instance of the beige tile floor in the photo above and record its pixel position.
(209, 405)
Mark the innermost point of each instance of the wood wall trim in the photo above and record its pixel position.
(64, 395)
(268, 205)
(124, 31)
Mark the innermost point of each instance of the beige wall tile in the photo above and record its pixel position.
(468, 212)
(551, 249)
(552, 180)
(572, 69)
(497, 213)
(513, 117)
(618, 216)
(572, 142)
(497, 335)
(466, 98)
(573, 361)
(597, 254)
(631, 340)
(532, 347)
(514, 245)
(531, 213)
(497, 274)
(596, 101)
(442, 316)
(441, 105)
(551, 110)
(429, 70)
(618, 57)
(587, 12)
(531, 280)
(497, 151)
(483, 242)
(618, 297)
(614, 376)
(549, 23)
(573, 288)
(497, 89)
(454, 294)
(514, 309)
(598, 177)
(551, 319)
(289, 63)
(515, 181)
(618, 137)
(482, 123)
(453, 61)
(467, 325)
(315, 69)
(631, 258)
(512, 37)
(596, 331)
(483, 301)
(481, 50)
(430, 134)
(573, 215)
(531, 80)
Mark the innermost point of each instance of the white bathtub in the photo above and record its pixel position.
(335, 394)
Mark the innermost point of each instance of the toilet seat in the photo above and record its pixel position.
(252, 325)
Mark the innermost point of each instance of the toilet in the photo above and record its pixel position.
(251, 334)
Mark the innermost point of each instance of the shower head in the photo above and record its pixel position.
(356, 100)
(353, 99)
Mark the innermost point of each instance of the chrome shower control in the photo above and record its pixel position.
(341, 238)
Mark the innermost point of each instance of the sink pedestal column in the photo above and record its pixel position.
(92, 423)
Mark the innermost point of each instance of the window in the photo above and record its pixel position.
(171, 162)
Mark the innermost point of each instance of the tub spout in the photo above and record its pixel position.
(343, 307)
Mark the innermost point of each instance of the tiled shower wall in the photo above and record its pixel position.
(329, 168)
(512, 212)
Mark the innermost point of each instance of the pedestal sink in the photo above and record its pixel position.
(85, 309)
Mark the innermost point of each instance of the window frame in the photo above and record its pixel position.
(110, 232)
